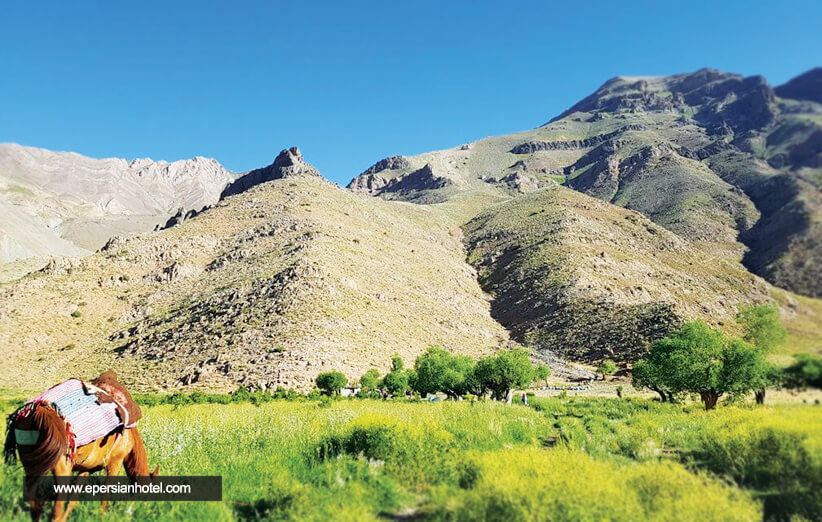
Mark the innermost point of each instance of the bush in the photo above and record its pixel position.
(416, 453)
(806, 371)
(606, 367)
(533, 484)
(773, 460)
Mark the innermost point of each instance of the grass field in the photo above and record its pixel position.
(559, 459)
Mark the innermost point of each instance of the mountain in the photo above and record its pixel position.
(725, 161)
(651, 202)
(267, 288)
(65, 204)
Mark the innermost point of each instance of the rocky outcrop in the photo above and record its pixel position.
(370, 181)
(530, 147)
(288, 163)
(523, 182)
(389, 163)
(406, 186)
(422, 179)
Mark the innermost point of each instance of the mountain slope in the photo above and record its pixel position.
(269, 287)
(60, 203)
(719, 159)
(578, 277)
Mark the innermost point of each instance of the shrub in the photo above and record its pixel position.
(417, 453)
(606, 367)
(806, 371)
(773, 460)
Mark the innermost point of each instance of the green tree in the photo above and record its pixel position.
(606, 367)
(541, 373)
(502, 372)
(369, 382)
(699, 359)
(396, 382)
(331, 382)
(806, 371)
(396, 363)
(646, 374)
(762, 328)
(439, 371)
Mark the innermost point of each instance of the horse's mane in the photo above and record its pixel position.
(40, 458)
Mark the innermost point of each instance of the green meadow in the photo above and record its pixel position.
(558, 459)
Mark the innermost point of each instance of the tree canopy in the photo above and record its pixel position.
(439, 371)
(700, 359)
(761, 326)
(504, 371)
(331, 382)
(542, 372)
(369, 381)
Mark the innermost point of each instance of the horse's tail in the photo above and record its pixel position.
(47, 439)
(136, 462)
(10, 446)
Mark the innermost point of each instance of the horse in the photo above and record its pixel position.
(51, 454)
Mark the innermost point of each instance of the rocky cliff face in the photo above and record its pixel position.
(58, 203)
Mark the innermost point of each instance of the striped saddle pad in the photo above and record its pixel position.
(88, 418)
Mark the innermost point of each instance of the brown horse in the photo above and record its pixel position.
(51, 454)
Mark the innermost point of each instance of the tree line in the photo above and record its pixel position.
(456, 376)
(696, 359)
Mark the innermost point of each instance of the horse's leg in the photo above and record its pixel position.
(36, 505)
(112, 469)
(61, 469)
(72, 503)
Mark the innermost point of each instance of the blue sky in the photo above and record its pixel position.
(351, 82)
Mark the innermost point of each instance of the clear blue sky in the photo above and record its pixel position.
(350, 82)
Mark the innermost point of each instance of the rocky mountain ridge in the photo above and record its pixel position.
(61, 203)
(720, 159)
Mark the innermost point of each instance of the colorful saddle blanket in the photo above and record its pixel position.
(88, 418)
